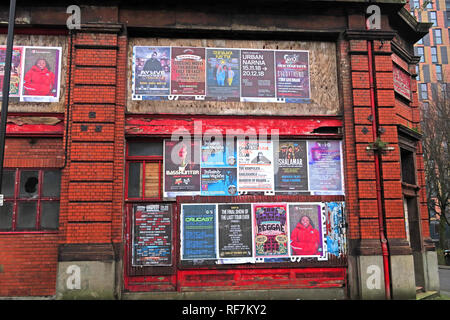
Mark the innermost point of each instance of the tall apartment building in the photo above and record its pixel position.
(433, 70)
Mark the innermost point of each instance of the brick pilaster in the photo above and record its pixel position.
(91, 213)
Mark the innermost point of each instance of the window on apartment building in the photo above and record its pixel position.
(438, 72)
(416, 4)
(432, 18)
(420, 53)
(418, 73)
(429, 4)
(31, 200)
(144, 170)
(423, 91)
(434, 55)
(437, 36)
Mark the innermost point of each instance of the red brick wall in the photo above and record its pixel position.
(91, 205)
(391, 111)
(92, 208)
(366, 216)
(33, 152)
(29, 263)
(28, 260)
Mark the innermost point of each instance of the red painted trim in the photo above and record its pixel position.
(286, 126)
(13, 129)
(241, 279)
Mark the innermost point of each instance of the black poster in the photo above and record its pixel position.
(152, 235)
(181, 168)
(291, 169)
(258, 75)
(235, 230)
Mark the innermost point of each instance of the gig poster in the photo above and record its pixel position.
(188, 71)
(255, 166)
(219, 182)
(218, 153)
(151, 71)
(181, 168)
(291, 173)
(270, 230)
(257, 74)
(152, 235)
(324, 166)
(15, 75)
(235, 230)
(198, 231)
(306, 230)
(41, 74)
(223, 74)
(292, 74)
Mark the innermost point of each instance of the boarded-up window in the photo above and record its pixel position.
(144, 170)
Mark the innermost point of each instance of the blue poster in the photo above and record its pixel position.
(198, 231)
(219, 182)
(218, 154)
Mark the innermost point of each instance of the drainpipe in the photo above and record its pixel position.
(383, 240)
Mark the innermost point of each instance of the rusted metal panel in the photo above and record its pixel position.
(160, 125)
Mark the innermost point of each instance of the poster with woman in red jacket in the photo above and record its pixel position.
(306, 236)
(40, 82)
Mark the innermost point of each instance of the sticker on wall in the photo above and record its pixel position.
(41, 74)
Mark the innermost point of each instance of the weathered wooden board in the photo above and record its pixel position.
(323, 77)
(45, 41)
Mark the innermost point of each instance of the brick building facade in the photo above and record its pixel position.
(107, 147)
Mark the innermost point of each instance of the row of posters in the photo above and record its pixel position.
(239, 232)
(35, 73)
(245, 231)
(217, 168)
(170, 73)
